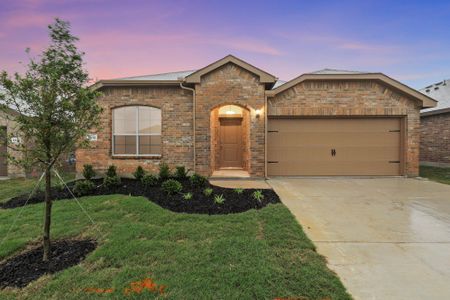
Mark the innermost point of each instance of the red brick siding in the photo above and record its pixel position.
(435, 139)
(352, 98)
(176, 111)
(229, 84)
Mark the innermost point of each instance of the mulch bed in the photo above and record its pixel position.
(200, 204)
(20, 270)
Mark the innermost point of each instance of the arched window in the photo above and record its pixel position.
(137, 131)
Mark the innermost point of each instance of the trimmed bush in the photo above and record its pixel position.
(112, 171)
(111, 179)
(83, 187)
(181, 172)
(164, 171)
(149, 180)
(139, 173)
(88, 172)
(171, 186)
(198, 180)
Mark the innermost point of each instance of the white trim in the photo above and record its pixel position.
(136, 134)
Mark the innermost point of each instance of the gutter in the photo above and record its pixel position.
(194, 107)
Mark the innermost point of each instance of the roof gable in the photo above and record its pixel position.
(425, 100)
(264, 77)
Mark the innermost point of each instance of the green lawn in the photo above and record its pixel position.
(259, 254)
(13, 187)
(441, 175)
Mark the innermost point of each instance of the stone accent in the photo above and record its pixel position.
(8, 122)
(435, 142)
(229, 84)
(176, 133)
(352, 98)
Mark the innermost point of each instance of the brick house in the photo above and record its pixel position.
(231, 115)
(7, 130)
(435, 127)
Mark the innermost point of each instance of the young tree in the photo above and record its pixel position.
(55, 106)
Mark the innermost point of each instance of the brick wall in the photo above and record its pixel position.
(13, 170)
(435, 140)
(352, 98)
(176, 111)
(229, 84)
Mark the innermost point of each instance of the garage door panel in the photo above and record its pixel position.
(363, 146)
(333, 139)
(336, 125)
(335, 169)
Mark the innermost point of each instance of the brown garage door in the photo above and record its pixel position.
(3, 165)
(322, 147)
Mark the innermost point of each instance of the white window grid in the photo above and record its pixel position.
(137, 134)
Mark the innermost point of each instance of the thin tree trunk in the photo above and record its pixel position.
(48, 214)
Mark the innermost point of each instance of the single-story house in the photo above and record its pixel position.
(7, 130)
(435, 126)
(231, 115)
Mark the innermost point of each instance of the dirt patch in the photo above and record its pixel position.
(200, 204)
(19, 270)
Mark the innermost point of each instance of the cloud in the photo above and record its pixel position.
(248, 45)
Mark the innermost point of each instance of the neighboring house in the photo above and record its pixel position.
(231, 115)
(7, 126)
(435, 128)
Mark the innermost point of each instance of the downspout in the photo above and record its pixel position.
(265, 135)
(193, 122)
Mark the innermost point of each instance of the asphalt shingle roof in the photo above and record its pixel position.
(439, 91)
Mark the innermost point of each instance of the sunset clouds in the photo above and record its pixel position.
(407, 40)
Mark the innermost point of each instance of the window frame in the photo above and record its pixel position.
(136, 134)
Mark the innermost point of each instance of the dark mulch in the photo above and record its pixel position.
(20, 270)
(201, 204)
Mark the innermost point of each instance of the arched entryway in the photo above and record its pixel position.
(230, 134)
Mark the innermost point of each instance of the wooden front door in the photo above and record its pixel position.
(230, 143)
(3, 151)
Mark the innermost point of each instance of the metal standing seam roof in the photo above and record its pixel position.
(337, 72)
(175, 76)
(439, 91)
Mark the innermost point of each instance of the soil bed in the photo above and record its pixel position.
(201, 204)
(20, 270)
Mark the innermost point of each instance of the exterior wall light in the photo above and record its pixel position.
(258, 113)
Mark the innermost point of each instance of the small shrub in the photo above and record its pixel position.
(258, 195)
(164, 171)
(181, 172)
(198, 180)
(149, 180)
(171, 186)
(207, 192)
(111, 179)
(112, 171)
(238, 191)
(139, 173)
(83, 187)
(88, 172)
(219, 199)
(187, 196)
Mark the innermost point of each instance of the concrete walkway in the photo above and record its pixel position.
(386, 238)
(240, 183)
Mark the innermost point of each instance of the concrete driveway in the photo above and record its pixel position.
(386, 238)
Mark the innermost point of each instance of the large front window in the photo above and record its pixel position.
(137, 131)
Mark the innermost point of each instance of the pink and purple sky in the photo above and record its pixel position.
(408, 40)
